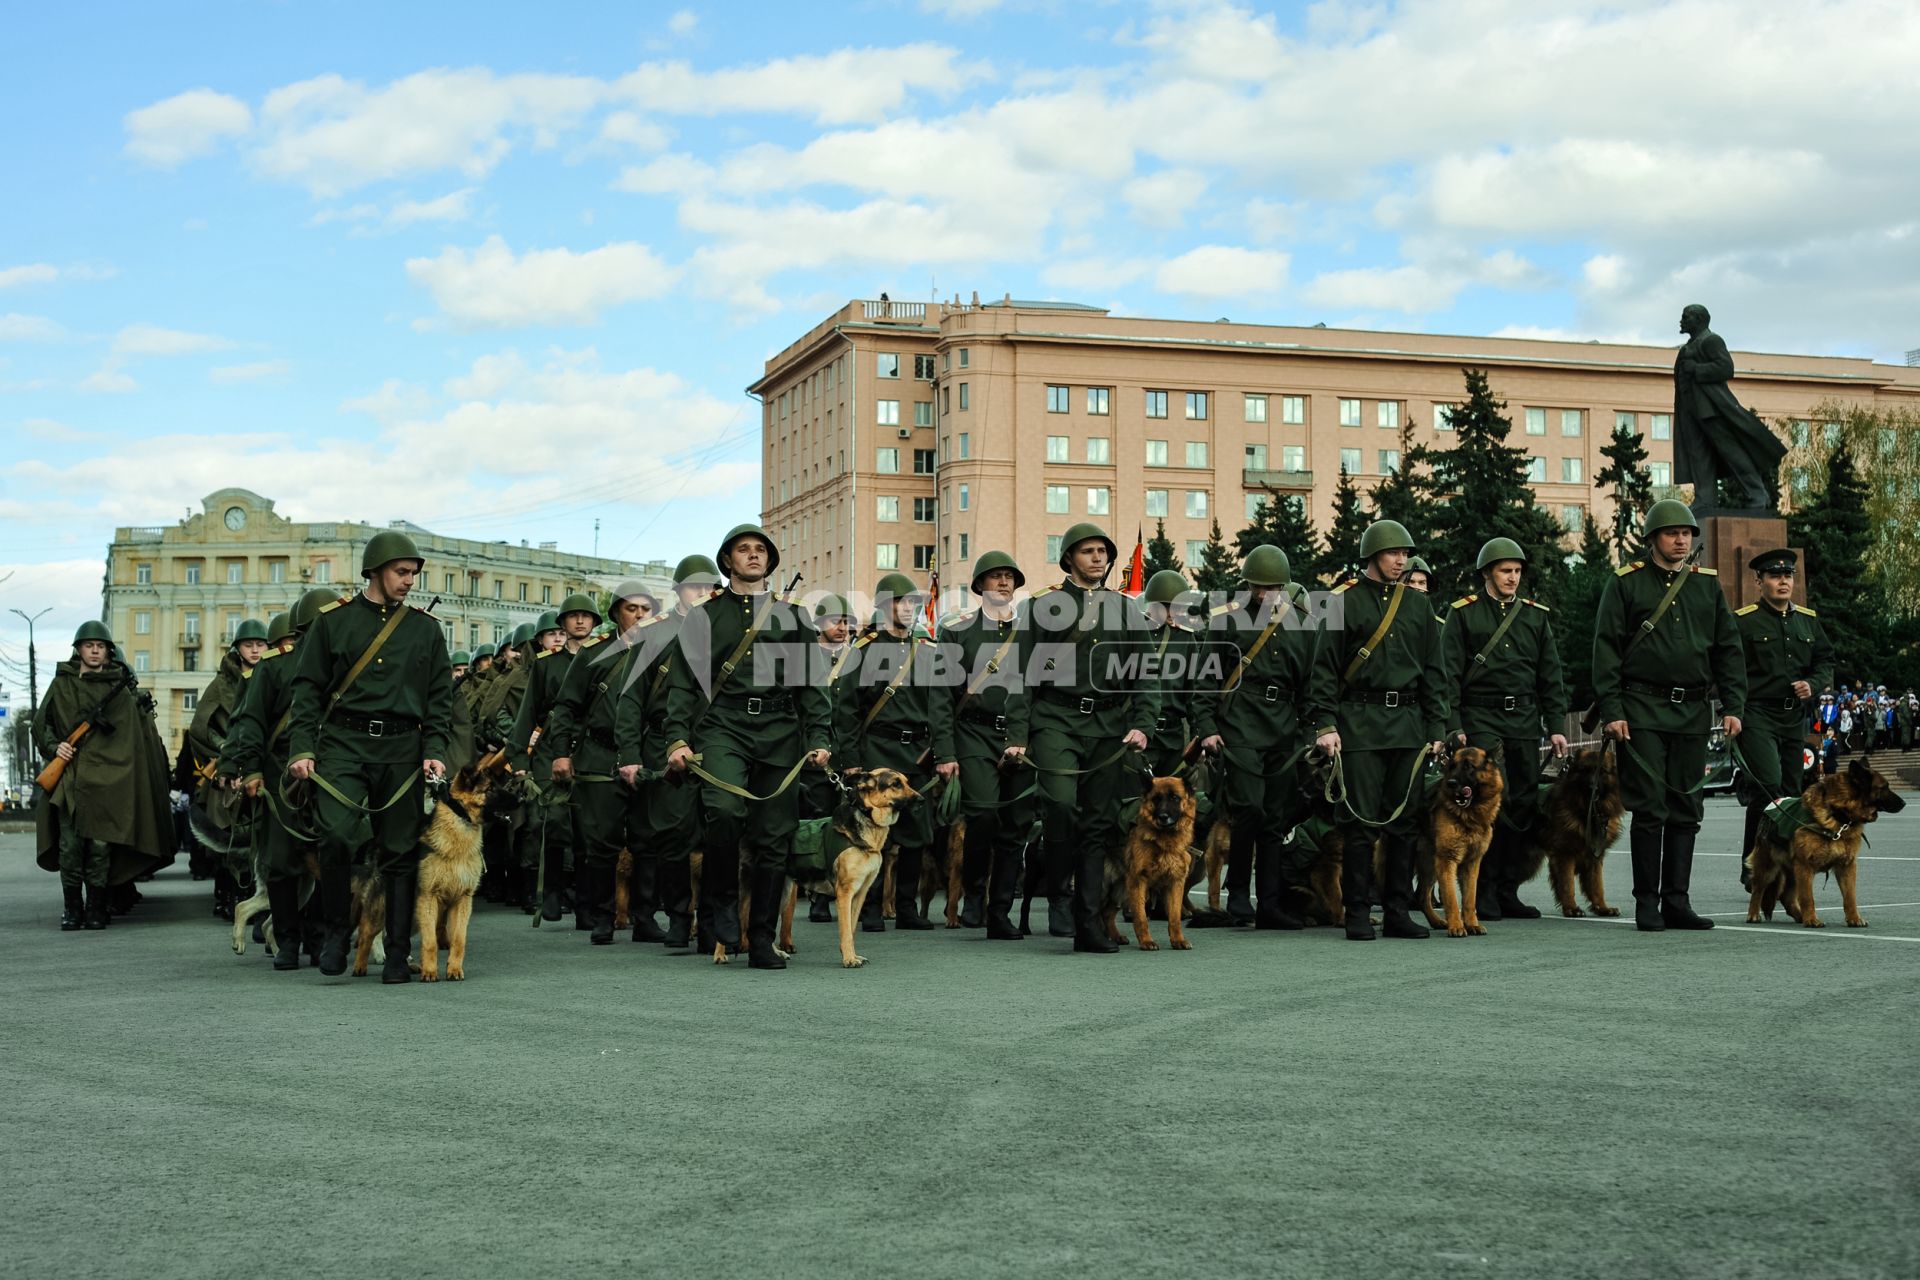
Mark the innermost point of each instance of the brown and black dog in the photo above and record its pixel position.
(1578, 822)
(1837, 807)
(1455, 836)
(857, 840)
(1154, 859)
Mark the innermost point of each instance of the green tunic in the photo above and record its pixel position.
(1259, 720)
(987, 654)
(1780, 648)
(640, 720)
(1511, 696)
(892, 710)
(256, 747)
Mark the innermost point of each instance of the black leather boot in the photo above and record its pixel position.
(1003, 884)
(643, 898)
(819, 908)
(1089, 887)
(283, 900)
(1676, 874)
(1507, 886)
(1356, 883)
(552, 906)
(1060, 869)
(526, 890)
(1644, 843)
(976, 856)
(586, 897)
(906, 893)
(336, 907)
(1746, 846)
(596, 903)
(99, 914)
(720, 897)
(1397, 894)
(1487, 900)
(400, 891)
(1271, 882)
(73, 912)
(675, 881)
(763, 914)
(1240, 877)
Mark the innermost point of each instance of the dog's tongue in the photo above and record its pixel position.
(1466, 793)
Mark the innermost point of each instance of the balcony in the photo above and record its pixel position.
(903, 312)
(1283, 480)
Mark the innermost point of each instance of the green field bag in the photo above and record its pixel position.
(810, 860)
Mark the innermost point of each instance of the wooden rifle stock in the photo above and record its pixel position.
(50, 776)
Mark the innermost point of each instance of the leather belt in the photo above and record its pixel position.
(1501, 701)
(911, 735)
(758, 704)
(374, 727)
(1672, 693)
(1086, 706)
(996, 723)
(1381, 697)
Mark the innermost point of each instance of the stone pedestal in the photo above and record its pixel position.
(1730, 541)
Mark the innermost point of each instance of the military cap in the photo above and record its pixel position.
(1085, 531)
(632, 589)
(895, 586)
(484, 651)
(251, 629)
(93, 629)
(522, 634)
(988, 561)
(832, 607)
(1165, 587)
(549, 621)
(578, 602)
(1781, 561)
(385, 547)
(740, 531)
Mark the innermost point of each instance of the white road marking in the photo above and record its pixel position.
(1865, 857)
(1877, 906)
(1788, 930)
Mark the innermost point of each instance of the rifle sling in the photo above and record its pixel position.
(1379, 633)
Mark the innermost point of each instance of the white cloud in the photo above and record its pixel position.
(636, 131)
(176, 129)
(840, 87)
(394, 400)
(491, 287)
(960, 10)
(58, 432)
(683, 22)
(451, 207)
(152, 340)
(109, 380)
(31, 273)
(668, 175)
(256, 371)
(15, 327)
(1096, 273)
(1223, 271)
(1162, 199)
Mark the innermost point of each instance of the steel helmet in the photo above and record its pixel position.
(1384, 535)
(1668, 513)
(579, 602)
(1266, 566)
(696, 570)
(1416, 565)
(385, 547)
(549, 621)
(93, 629)
(1165, 587)
(522, 634)
(308, 607)
(633, 589)
(484, 651)
(1497, 549)
(279, 627)
(738, 532)
(988, 561)
(460, 658)
(251, 629)
(895, 586)
(833, 607)
(1082, 532)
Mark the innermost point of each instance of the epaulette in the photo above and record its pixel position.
(1219, 609)
(588, 644)
(1744, 610)
(1536, 604)
(1042, 591)
(271, 653)
(1343, 586)
(547, 653)
(865, 640)
(1800, 608)
(248, 673)
(1464, 601)
(417, 609)
(1711, 573)
(1626, 569)
(961, 619)
(329, 608)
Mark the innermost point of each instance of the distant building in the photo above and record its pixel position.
(174, 595)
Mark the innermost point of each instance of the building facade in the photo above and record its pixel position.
(917, 435)
(174, 595)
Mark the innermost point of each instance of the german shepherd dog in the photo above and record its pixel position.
(1453, 840)
(861, 825)
(1153, 859)
(1837, 808)
(450, 867)
(1578, 822)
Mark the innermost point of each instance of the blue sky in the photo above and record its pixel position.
(504, 270)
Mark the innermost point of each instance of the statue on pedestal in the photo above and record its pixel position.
(1714, 437)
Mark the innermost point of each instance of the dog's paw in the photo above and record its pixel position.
(784, 955)
(719, 953)
(455, 973)
(1148, 944)
(1477, 929)
(1609, 912)
(1856, 923)
(1181, 945)
(1814, 922)
(854, 963)
(1753, 917)
(1457, 931)
(429, 975)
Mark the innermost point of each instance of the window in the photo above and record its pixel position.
(1099, 401)
(887, 365)
(922, 369)
(1886, 442)
(1256, 408)
(189, 701)
(1802, 431)
(1196, 453)
(1196, 502)
(886, 461)
(887, 509)
(1056, 448)
(1196, 406)
(1832, 432)
(964, 357)
(1057, 399)
(964, 554)
(923, 555)
(1536, 422)
(1571, 422)
(924, 509)
(1256, 457)
(1156, 502)
(1662, 426)
(1350, 461)
(1053, 548)
(1801, 482)
(1254, 502)
(1156, 404)
(946, 447)
(963, 397)
(1388, 413)
(499, 589)
(1293, 457)
(1099, 450)
(964, 451)
(1156, 453)
(143, 623)
(546, 595)
(1389, 461)
(1099, 502)
(1573, 518)
(1661, 473)
(946, 399)
(1057, 500)
(141, 661)
(450, 592)
(1627, 422)
(193, 575)
(1570, 471)
(1349, 413)
(1293, 410)
(190, 626)
(323, 571)
(923, 462)
(963, 497)
(1443, 416)
(886, 555)
(189, 659)
(1537, 469)
(143, 574)
(887, 412)
(1196, 548)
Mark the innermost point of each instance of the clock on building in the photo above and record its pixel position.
(236, 518)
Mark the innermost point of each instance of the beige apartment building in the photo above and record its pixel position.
(917, 435)
(175, 594)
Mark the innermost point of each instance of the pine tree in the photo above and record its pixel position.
(1218, 570)
(1342, 555)
(1408, 494)
(1282, 521)
(1160, 552)
(1627, 476)
(1575, 610)
(1838, 534)
(1488, 495)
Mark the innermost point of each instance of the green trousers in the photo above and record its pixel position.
(753, 753)
(608, 817)
(1260, 794)
(83, 861)
(368, 772)
(1660, 775)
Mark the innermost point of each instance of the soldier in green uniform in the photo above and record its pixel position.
(741, 694)
(500, 689)
(371, 716)
(498, 716)
(254, 759)
(608, 814)
(1091, 707)
(549, 833)
(482, 660)
(1788, 657)
(989, 713)
(891, 710)
(1379, 703)
(1664, 639)
(1254, 725)
(225, 826)
(1503, 681)
(832, 626)
(672, 810)
(108, 820)
(462, 661)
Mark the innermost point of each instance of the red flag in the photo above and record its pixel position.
(933, 603)
(1137, 570)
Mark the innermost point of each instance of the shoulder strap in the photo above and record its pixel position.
(1480, 658)
(353, 672)
(1379, 633)
(739, 650)
(993, 666)
(886, 694)
(1259, 643)
(1659, 611)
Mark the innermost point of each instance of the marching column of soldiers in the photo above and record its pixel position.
(698, 732)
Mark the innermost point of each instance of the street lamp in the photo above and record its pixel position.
(33, 671)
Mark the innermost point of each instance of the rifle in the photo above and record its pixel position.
(49, 777)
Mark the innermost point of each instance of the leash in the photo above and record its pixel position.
(1334, 791)
(355, 805)
(1076, 773)
(693, 767)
